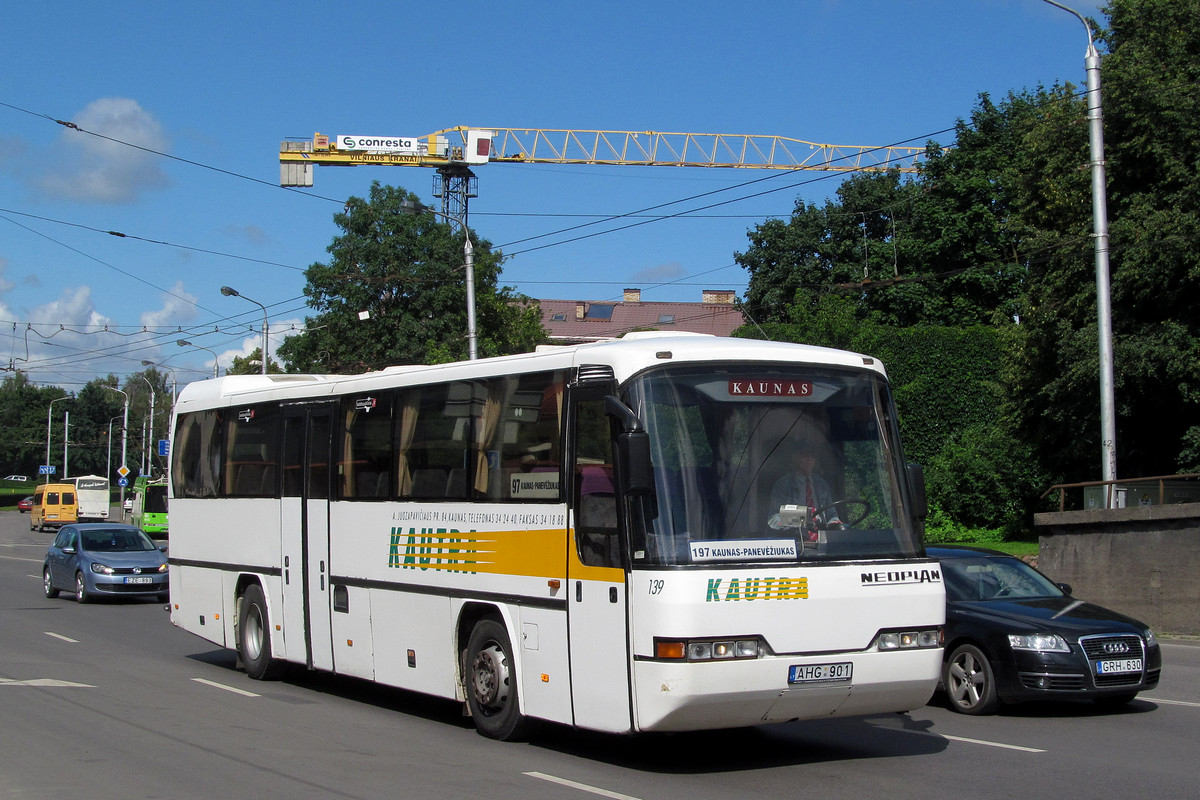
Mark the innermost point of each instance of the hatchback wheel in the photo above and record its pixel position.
(969, 681)
(81, 592)
(47, 584)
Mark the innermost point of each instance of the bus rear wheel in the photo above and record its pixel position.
(491, 683)
(254, 635)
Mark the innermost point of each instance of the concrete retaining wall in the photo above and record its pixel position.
(1143, 561)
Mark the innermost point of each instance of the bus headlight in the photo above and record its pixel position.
(918, 639)
(707, 649)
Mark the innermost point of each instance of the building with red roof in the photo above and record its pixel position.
(580, 321)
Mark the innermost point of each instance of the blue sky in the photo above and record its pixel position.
(218, 85)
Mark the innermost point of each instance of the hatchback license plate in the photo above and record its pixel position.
(140, 579)
(821, 673)
(1121, 665)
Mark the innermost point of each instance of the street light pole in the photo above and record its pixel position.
(414, 207)
(146, 462)
(49, 409)
(229, 291)
(1108, 422)
(108, 464)
(124, 433)
(186, 343)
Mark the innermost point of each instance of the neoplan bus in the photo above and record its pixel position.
(93, 496)
(581, 534)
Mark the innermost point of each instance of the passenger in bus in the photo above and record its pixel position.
(802, 486)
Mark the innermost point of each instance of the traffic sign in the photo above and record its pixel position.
(122, 471)
(122, 482)
(46, 469)
(164, 447)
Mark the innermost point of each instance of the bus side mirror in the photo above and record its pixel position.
(633, 454)
(633, 450)
(916, 483)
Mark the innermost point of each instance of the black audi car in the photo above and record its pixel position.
(1013, 635)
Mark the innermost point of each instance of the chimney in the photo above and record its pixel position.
(633, 296)
(580, 309)
(719, 296)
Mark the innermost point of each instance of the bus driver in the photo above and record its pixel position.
(801, 486)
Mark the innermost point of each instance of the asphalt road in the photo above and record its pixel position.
(108, 700)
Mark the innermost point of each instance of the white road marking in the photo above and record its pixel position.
(46, 682)
(216, 685)
(583, 787)
(1169, 702)
(60, 636)
(965, 740)
(986, 743)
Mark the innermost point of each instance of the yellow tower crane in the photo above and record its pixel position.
(454, 151)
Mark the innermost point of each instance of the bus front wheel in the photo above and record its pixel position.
(491, 683)
(254, 635)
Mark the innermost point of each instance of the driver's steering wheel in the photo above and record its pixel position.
(851, 520)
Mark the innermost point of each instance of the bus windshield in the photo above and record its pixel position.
(760, 463)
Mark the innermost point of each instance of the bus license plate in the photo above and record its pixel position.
(821, 673)
(1120, 665)
(140, 579)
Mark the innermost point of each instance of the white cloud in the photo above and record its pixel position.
(92, 169)
(179, 306)
(669, 271)
(249, 233)
(277, 332)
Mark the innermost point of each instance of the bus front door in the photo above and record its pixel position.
(307, 445)
(596, 600)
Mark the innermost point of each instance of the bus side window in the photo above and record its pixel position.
(366, 433)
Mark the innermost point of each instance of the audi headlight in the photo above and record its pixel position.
(1041, 642)
(1151, 639)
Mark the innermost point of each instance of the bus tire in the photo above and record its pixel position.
(491, 683)
(254, 635)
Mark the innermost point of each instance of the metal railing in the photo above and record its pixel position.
(1161, 480)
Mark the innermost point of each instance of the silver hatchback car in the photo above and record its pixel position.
(105, 559)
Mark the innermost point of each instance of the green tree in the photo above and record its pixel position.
(93, 409)
(252, 364)
(393, 293)
(23, 412)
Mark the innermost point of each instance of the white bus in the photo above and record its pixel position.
(94, 498)
(582, 534)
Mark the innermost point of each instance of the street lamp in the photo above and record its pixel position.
(146, 443)
(186, 343)
(229, 291)
(1108, 422)
(414, 207)
(108, 470)
(49, 409)
(124, 432)
(174, 380)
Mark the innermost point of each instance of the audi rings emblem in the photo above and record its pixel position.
(1116, 648)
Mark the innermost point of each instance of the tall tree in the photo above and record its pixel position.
(393, 292)
(23, 426)
(1152, 119)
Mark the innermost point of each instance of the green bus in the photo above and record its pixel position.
(150, 506)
